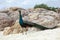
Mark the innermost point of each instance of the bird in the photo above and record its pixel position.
(21, 22)
(30, 24)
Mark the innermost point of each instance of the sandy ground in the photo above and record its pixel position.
(40, 35)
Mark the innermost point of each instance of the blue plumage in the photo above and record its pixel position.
(21, 22)
(20, 19)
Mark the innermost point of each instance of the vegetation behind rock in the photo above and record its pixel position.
(45, 7)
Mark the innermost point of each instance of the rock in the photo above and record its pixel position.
(30, 10)
(14, 12)
(7, 31)
(15, 8)
(40, 10)
(24, 13)
(5, 20)
(58, 25)
(58, 10)
(31, 29)
(48, 22)
(14, 15)
(8, 16)
(16, 28)
(4, 10)
(46, 18)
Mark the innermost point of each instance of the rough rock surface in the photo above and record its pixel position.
(8, 16)
(16, 28)
(5, 20)
(46, 18)
(14, 15)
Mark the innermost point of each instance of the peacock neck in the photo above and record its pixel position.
(20, 19)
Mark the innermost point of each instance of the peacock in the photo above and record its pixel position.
(21, 22)
(27, 23)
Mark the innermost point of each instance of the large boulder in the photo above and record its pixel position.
(48, 19)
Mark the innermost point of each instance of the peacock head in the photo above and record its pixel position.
(20, 12)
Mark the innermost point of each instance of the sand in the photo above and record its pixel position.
(53, 34)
